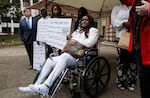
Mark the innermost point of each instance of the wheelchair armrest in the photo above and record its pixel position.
(80, 61)
(91, 51)
(52, 55)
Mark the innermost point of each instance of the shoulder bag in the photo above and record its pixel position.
(74, 48)
(124, 40)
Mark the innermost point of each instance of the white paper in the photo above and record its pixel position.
(39, 55)
(42, 30)
(54, 31)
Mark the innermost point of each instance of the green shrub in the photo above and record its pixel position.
(10, 40)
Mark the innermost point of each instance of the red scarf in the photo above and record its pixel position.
(128, 2)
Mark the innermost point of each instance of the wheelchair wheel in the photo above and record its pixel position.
(97, 76)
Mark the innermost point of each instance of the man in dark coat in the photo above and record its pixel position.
(27, 30)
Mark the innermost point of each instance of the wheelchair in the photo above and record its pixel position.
(90, 74)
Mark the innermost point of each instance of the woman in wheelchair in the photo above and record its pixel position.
(87, 35)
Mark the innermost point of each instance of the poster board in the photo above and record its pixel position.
(39, 55)
(42, 29)
(54, 31)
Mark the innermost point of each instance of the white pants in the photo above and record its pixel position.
(56, 66)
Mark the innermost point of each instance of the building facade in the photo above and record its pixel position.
(12, 26)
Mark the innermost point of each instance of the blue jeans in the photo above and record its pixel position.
(144, 75)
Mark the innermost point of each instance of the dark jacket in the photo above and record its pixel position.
(28, 35)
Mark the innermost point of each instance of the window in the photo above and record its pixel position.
(34, 1)
(26, 3)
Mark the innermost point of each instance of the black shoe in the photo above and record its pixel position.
(76, 95)
(65, 81)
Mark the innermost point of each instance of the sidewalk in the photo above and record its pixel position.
(14, 73)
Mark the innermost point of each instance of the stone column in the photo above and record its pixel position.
(0, 28)
(12, 27)
(21, 5)
(31, 2)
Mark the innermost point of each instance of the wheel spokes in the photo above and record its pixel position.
(97, 76)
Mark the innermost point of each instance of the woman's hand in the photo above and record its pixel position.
(38, 42)
(143, 9)
(126, 24)
(69, 37)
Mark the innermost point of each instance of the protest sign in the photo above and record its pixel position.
(42, 30)
(53, 31)
(39, 55)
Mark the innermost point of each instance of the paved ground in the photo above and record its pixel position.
(14, 73)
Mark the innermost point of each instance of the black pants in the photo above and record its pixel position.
(144, 76)
(29, 49)
(52, 50)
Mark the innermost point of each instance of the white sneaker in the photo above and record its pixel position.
(41, 89)
(120, 87)
(27, 90)
(131, 88)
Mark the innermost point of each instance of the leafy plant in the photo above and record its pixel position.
(10, 8)
(5, 5)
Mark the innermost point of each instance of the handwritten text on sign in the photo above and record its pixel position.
(39, 55)
(56, 32)
(42, 30)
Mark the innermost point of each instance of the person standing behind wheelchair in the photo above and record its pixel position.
(126, 68)
(56, 12)
(43, 17)
(82, 11)
(86, 35)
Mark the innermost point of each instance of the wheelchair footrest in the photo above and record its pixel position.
(56, 83)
